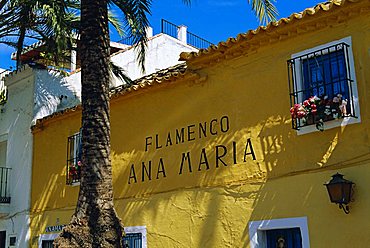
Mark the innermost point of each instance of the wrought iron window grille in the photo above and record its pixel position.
(4, 185)
(74, 153)
(320, 86)
(133, 240)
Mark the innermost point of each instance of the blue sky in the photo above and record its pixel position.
(213, 20)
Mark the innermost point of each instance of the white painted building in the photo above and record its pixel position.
(162, 52)
(32, 93)
(36, 93)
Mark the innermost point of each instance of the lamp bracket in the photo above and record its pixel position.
(345, 208)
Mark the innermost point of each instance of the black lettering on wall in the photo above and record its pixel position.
(191, 132)
(157, 146)
(161, 168)
(180, 136)
(132, 174)
(219, 156)
(212, 127)
(203, 160)
(146, 171)
(183, 159)
(202, 130)
(147, 143)
(234, 152)
(169, 140)
(225, 124)
(246, 153)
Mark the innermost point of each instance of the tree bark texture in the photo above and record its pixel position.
(95, 222)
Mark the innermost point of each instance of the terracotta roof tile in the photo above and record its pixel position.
(326, 6)
(162, 76)
(181, 70)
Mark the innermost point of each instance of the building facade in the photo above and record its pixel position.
(31, 94)
(34, 92)
(232, 148)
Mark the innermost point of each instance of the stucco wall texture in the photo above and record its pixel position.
(246, 162)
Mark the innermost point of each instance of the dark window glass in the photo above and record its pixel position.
(74, 153)
(133, 240)
(284, 238)
(2, 239)
(47, 244)
(325, 75)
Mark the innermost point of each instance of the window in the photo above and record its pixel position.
(46, 240)
(133, 240)
(47, 244)
(323, 87)
(135, 237)
(74, 159)
(2, 239)
(12, 241)
(4, 174)
(289, 232)
(289, 237)
(3, 149)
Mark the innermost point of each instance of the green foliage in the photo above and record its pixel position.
(52, 21)
(3, 93)
(265, 10)
(136, 24)
(120, 73)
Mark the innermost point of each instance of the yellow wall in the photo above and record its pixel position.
(212, 208)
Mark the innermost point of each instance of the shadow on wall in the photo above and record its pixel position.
(207, 198)
(53, 93)
(286, 180)
(297, 167)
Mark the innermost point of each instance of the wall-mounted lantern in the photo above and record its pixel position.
(340, 191)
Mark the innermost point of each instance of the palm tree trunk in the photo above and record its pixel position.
(22, 34)
(95, 222)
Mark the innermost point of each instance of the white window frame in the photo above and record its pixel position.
(342, 121)
(4, 138)
(76, 144)
(257, 230)
(75, 153)
(138, 229)
(47, 237)
(128, 229)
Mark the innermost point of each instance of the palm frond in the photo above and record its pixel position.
(116, 23)
(52, 21)
(265, 10)
(120, 73)
(187, 2)
(136, 24)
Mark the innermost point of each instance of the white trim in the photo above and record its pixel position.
(257, 235)
(138, 229)
(45, 237)
(129, 229)
(346, 120)
(3, 137)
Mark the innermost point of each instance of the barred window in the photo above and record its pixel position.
(47, 244)
(133, 240)
(74, 152)
(322, 86)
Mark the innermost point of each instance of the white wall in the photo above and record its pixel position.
(52, 93)
(15, 121)
(36, 93)
(32, 94)
(163, 51)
